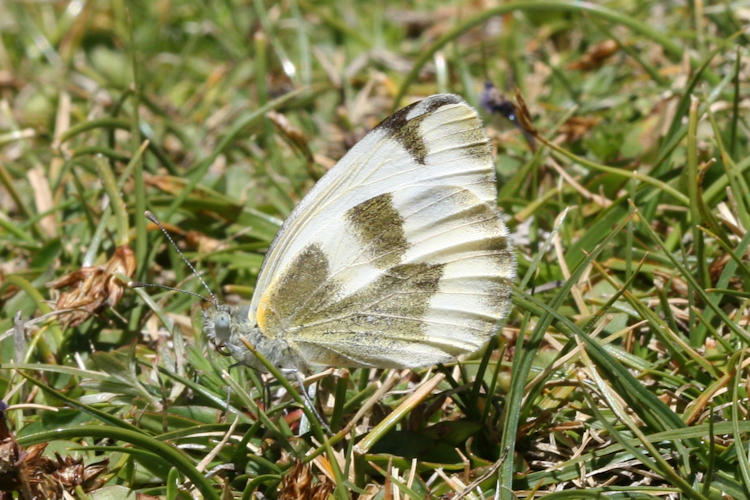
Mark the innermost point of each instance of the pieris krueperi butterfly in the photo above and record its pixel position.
(396, 258)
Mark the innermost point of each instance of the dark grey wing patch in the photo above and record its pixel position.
(395, 303)
(380, 229)
(304, 284)
(405, 130)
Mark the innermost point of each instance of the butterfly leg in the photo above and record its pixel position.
(307, 397)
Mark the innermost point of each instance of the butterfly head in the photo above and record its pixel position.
(231, 331)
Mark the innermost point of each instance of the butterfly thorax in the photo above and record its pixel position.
(227, 326)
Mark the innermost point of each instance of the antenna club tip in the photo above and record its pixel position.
(149, 215)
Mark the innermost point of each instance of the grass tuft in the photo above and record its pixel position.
(621, 371)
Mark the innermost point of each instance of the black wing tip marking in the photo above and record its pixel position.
(406, 130)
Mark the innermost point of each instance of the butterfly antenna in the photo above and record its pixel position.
(150, 216)
(140, 284)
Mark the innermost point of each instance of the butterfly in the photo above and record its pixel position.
(396, 258)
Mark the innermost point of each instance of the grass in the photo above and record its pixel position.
(621, 371)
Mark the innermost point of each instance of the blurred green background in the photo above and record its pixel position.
(621, 369)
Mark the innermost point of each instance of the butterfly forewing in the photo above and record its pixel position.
(397, 257)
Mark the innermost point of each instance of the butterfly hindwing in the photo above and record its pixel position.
(397, 257)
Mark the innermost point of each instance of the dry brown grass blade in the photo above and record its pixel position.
(576, 127)
(33, 475)
(43, 200)
(300, 483)
(94, 287)
(595, 56)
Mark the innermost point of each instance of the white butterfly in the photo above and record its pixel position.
(396, 258)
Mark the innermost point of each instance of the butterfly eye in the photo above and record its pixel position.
(222, 326)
